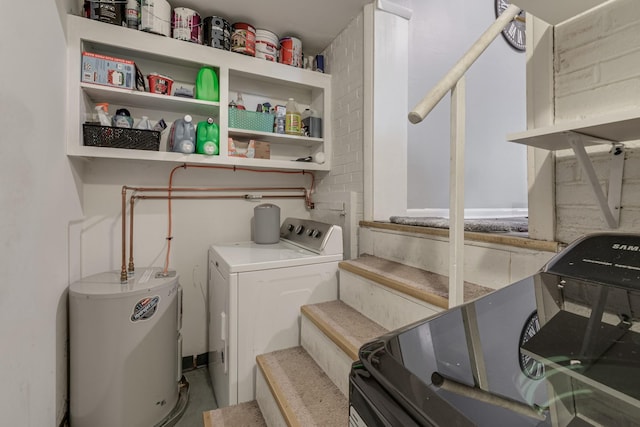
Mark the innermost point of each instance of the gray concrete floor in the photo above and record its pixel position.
(200, 398)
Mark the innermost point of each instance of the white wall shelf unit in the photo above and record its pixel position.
(611, 129)
(258, 80)
(620, 127)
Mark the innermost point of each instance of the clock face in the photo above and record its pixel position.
(529, 366)
(514, 32)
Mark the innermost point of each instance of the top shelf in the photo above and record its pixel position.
(619, 127)
(557, 11)
(141, 44)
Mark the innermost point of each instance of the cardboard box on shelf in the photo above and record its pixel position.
(109, 71)
(251, 149)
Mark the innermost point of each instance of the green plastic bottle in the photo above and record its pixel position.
(207, 87)
(207, 138)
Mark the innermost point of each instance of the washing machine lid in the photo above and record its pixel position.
(107, 284)
(249, 256)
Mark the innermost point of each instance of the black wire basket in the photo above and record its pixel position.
(96, 135)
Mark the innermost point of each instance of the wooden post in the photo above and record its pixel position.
(456, 194)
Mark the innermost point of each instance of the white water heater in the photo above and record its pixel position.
(125, 349)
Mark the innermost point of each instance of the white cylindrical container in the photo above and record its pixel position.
(267, 45)
(266, 224)
(124, 349)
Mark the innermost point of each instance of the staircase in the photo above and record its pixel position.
(308, 385)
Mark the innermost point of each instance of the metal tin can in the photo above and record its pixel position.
(109, 11)
(243, 39)
(132, 13)
(217, 32)
(156, 17)
(186, 25)
(267, 45)
(291, 51)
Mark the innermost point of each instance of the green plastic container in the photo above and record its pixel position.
(207, 87)
(207, 138)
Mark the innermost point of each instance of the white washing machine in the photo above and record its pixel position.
(255, 295)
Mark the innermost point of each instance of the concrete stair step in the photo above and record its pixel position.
(393, 294)
(292, 390)
(424, 285)
(490, 259)
(246, 414)
(332, 333)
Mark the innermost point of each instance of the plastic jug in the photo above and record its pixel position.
(207, 137)
(207, 87)
(144, 124)
(122, 119)
(293, 122)
(311, 123)
(182, 138)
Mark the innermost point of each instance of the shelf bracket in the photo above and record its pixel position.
(610, 204)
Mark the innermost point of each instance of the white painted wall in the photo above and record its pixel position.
(495, 175)
(385, 134)
(61, 220)
(196, 225)
(39, 201)
(597, 69)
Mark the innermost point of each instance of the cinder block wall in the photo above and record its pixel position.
(597, 72)
(345, 62)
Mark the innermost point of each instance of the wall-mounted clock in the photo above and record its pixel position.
(514, 32)
(529, 366)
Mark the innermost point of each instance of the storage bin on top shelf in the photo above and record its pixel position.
(250, 120)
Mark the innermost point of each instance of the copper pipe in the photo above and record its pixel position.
(131, 269)
(243, 197)
(126, 273)
(123, 271)
(198, 189)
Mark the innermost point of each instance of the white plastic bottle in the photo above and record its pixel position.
(240, 102)
(144, 124)
(104, 118)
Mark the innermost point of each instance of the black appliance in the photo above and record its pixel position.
(559, 348)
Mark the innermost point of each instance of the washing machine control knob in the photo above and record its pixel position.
(315, 234)
(290, 227)
(299, 229)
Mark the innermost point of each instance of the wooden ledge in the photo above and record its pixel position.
(496, 238)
